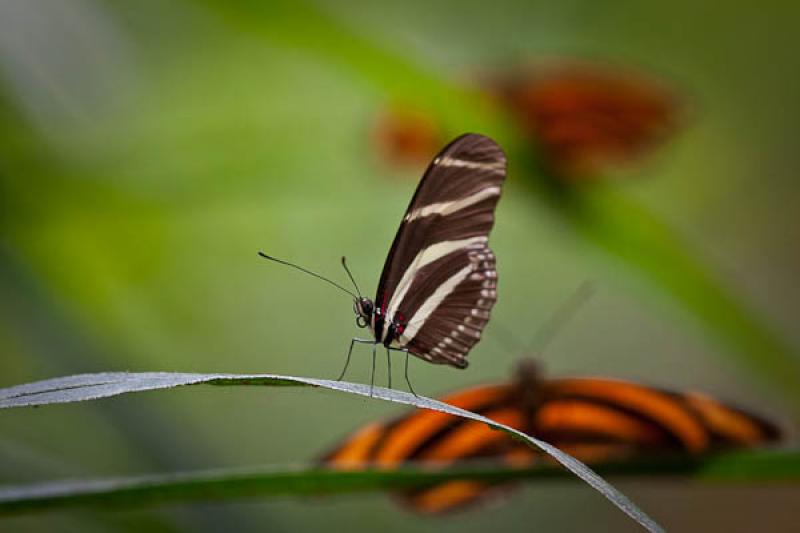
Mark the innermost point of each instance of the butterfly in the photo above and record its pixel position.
(586, 117)
(594, 419)
(404, 136)
(439, 282)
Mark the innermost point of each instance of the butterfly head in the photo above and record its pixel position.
(363, 308)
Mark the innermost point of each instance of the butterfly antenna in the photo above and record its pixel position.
(560, 317)
(511, 343)
(350, 275)
(301, 269)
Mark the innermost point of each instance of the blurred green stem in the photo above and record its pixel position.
(747, 467)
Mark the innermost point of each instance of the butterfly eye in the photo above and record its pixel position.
(364, 307)
(361, 321)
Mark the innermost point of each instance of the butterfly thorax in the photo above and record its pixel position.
(367, 315)
(528, 390)
(394, 330)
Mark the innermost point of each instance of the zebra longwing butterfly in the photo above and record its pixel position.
(439, 281)
(594, 419)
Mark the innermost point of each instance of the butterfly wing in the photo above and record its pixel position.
(648, 420)
(594, 419)
(439, 280)
(586, 117)
(433, 437)
(731, 427)
(642, 418)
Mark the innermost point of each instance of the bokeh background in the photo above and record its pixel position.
(148, 150)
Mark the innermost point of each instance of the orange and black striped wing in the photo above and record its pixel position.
(731, 427)
(436, 438)
(599, 420)
(422, 434)
(585, 117)
(595, 420)
(603, 419)
(356, 451)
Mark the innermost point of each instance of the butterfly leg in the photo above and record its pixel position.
(408, 381)
(389, 366)
(372, 379)
(405, 351)
(350, 352)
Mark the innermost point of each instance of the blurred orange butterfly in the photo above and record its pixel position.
(582, 117)
(585, 117)
(405, 136)
(594, 419)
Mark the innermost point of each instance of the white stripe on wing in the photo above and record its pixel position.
(424, 257)
(446, 208)
(432, 302)
(498, 167)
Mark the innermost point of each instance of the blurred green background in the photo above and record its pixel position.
(149, 149)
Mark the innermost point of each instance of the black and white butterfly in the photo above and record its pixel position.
(439, 282)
